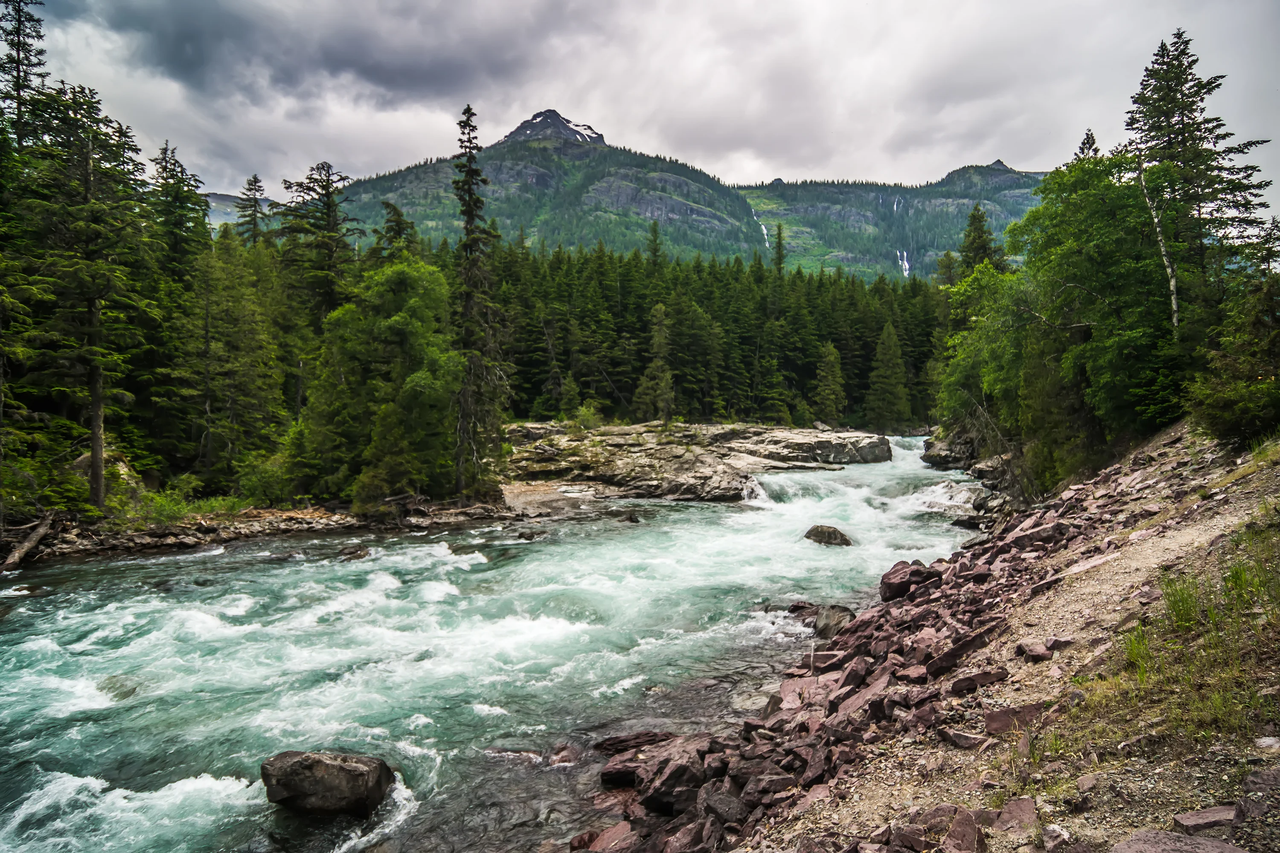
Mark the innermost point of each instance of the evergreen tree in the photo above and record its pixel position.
(888, 406)
(21, 68)
(181, 214)
(979, 245)
(85, 208)
(318, 235)
(396, 240)
(483, 392)
(779, 251)
(1088, 146)
(828, 395)
(250, 217)
(655, 396)
(948, 274)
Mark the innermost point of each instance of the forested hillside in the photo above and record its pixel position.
(565, 188)
(874, 228)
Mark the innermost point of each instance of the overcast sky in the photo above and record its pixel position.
(749, 91)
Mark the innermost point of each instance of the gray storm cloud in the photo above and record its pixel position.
(746, 90)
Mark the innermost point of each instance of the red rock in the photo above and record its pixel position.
(1033, 650)
(897, 582)
(1002, 720)
(1193, 822)
(969, 683)
(1154, 841)
(1262, 781)
(616, 838)
(965, 835)
(913, 674)
(963, 740)
(1087, 783)
(623, 743)
(583, 841)
(1055, 643)
(911, 837)
(1017, 816)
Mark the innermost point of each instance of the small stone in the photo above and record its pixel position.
(1018, 815)
(1087, 783)
(1055, 838)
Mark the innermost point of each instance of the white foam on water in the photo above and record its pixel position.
(621, 687)
(490, 711)
(417, 721)
(74, 813)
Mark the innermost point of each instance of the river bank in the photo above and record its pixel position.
(552, 471)
(985, 703)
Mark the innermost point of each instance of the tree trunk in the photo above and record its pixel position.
(1164, 250)
(97, 461)
(20, 551)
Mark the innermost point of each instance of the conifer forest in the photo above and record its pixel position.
(303, 355)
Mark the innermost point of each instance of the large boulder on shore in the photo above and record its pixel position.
(324, 783)
(899, 580)
(824, 534)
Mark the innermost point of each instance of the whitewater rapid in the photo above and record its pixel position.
(137, 700)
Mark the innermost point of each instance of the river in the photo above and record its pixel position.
(138, 696)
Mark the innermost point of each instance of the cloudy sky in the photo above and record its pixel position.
(890, 91)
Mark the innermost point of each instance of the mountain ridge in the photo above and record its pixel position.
(560, 182)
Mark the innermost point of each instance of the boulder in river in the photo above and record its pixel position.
(826, 535)
(326, 783)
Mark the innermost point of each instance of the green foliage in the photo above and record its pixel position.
(828, 393)
(887, 406)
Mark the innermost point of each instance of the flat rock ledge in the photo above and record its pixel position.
(696, 462)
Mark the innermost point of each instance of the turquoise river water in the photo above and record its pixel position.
(138, 696)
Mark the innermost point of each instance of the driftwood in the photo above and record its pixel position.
(20, 551)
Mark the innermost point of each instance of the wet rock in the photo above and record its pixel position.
(616, 839)
(897, 582)
(353, 553)
(826, 535)
(583, 841)
(1155, 841)
(624, 743)
(948, 454)
(1194, 822)
(326, 783)
(564, 754)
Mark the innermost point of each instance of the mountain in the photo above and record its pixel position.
(875, 228)
(563, 184)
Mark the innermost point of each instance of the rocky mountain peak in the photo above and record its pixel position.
(549, 124)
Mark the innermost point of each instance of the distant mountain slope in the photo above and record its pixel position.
(562, 183)
(563, 190)
(873, 228)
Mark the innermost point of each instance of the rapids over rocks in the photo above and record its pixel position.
(139, 697)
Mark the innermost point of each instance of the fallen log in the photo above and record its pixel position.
(32, 540)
